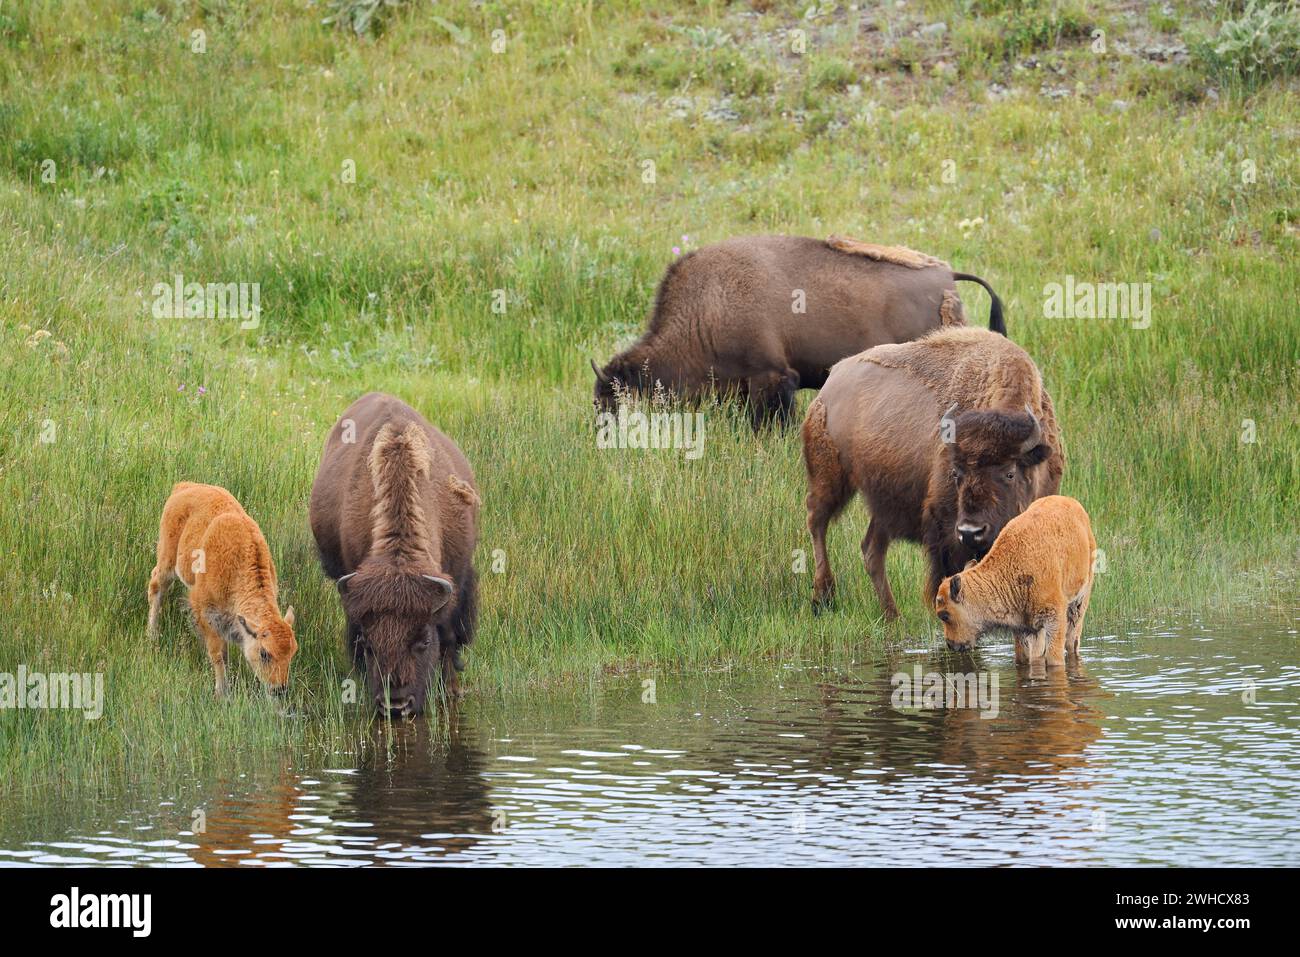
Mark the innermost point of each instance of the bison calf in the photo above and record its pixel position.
(395, 515)
(1036, 581)
(764, 316)
(209, 542)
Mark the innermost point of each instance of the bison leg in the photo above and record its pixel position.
(1056, 637)
(874, 547)
(158, 582)
(1075, 613)
(783, 406)
(828, 491)
(451, 674)
(933, 579)
(1024, 641)
(216, 646)
(1049, 639)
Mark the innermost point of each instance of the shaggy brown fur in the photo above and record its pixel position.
(946, 438)
(208, 541)
(394, 511)
(951, 312)
(725, 322)
(1036, 580)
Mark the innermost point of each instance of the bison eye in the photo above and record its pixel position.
(1009, 475)
(266, 657)
(944, 616)
(421, 644)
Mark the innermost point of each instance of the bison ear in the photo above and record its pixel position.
(342, 583)
(288, 617)
(249, 629)
(1037, 454)
(954, 586)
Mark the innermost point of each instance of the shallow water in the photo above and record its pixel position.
(1165, 746)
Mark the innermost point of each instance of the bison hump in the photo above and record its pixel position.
(973, 367)
(898, 255)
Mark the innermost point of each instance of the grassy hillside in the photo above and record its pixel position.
(387, 188)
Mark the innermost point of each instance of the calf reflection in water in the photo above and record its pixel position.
(1041, 722)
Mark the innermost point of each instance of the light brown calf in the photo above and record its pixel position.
(209, 542)
(1036, 580)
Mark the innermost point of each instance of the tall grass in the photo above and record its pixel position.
(522, 171)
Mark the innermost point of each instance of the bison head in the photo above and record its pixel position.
(617, 377)
(992, 461)
(391, 633)
(268, 646)
(960, 629)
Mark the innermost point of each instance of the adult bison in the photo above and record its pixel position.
(764, 316)
(395, 515)
(947, 438)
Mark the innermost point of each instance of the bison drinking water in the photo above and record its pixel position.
(946, 438)
(395, 515)
(1036, 580)
(764, 316)
(208, 541)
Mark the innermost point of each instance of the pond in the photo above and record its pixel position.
(1166, 745)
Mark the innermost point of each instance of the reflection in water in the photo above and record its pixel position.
(417, 794)
(1162, 747)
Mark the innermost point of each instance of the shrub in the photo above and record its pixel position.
(1260, 45)
(361, 16)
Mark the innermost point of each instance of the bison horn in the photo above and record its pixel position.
(443, 585)
(342, 583)
(596, 369)
(1035, 433)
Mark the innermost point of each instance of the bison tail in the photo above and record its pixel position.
(996, 323)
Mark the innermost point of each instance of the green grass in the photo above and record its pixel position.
(522, 171)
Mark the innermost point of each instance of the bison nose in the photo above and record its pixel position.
(278, 691)
(972, 534)
(395, 705)
(954, 646)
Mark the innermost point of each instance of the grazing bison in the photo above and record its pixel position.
(1036, 580)
(764, 316)
(947, 438)
(208, 541)
(395, 514)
